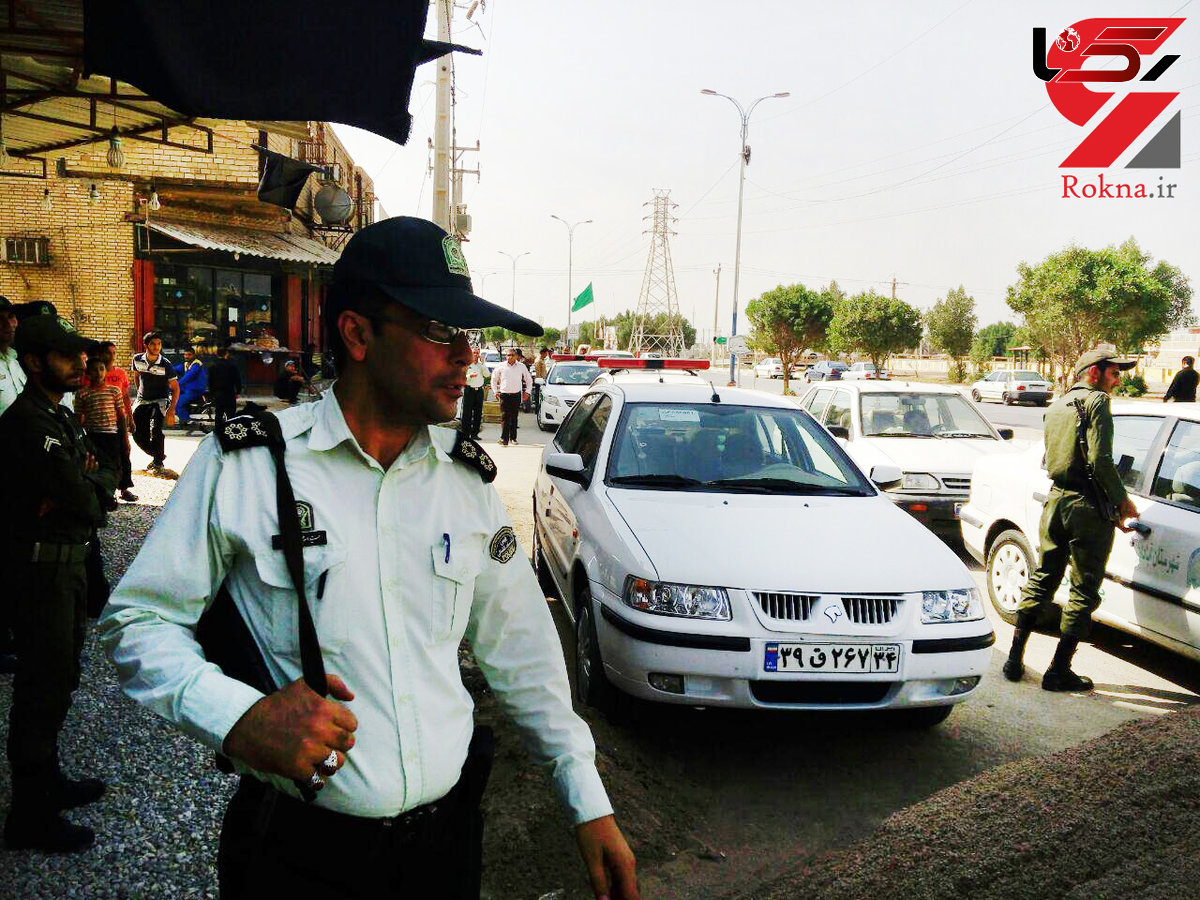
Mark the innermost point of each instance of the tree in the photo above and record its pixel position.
(951, 325)
(1077, 297)
(992, 340)
(875, 326)
(789, 320)
(625, 321)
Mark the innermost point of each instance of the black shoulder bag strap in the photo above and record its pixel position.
(222, 632)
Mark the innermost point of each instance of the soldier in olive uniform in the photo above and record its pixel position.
(52, 510)
(1086, 505)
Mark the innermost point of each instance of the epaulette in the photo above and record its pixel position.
(254, 428)
(467, 451)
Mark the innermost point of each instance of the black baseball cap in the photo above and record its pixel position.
(42, 333)
(34, 308)
(418, 265)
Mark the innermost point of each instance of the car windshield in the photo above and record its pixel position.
(572, 374)
(913, 414)
(491, 357)
(1026, 376)
(841, 367)
(727, 448)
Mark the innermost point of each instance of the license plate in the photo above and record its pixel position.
(855, 659)
(957, 510)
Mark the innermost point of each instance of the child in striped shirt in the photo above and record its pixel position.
(101, 412)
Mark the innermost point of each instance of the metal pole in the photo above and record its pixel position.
(716, 309)
(441, 129)
(737, 253)
(513, 259)
(570, 254)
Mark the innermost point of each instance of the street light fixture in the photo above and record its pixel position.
(744, 156)
(513, 259)
(570, 243)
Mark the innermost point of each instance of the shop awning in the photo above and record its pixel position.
(271, 245)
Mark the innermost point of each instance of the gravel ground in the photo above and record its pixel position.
(1116, 817)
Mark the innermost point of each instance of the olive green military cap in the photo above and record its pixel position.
(1111, 357)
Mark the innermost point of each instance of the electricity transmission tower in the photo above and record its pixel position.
(657, 324)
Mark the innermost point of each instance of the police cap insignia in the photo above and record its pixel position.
(503, 545)
(470, 453)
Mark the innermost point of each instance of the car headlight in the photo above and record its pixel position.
(918, 481)
(668, 599)
(950, 606)
(552, 400)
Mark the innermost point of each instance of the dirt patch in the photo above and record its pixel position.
(1115, 817)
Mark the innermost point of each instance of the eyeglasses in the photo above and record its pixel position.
(432, 331)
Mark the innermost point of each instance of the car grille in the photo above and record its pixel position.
(871, 610)
(958, 485)
(790, 607)
(831, 692)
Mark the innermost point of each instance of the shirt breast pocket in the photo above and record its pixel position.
(453, 590)
(323, 572)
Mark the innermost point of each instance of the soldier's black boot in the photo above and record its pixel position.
(1059, 676)
(68, 793)
(33, 823)
(1014, 666)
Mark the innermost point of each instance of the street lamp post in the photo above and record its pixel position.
(744, 154)
(513, 259)
(570, 252)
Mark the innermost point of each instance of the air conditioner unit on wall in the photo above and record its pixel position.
(462, 223)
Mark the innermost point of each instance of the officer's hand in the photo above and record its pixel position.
(170, 417)
(1128, 511)
(610, 863)
(291, 731)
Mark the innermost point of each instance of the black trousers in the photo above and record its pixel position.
(49, 617)
(275, 846)
(148, 431)
(224, 407)
(472, 411)
(510, 405)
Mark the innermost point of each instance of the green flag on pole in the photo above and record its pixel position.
(585, 297)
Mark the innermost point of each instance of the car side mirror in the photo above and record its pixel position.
(567, 466)
(886, 476)
(1006, 434)
(839, 431)
(539, 381)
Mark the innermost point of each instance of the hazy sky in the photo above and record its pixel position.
(917, 144)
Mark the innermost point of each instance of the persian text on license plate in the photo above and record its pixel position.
(860, 659)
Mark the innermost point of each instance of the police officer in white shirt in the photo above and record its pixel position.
(406, 550)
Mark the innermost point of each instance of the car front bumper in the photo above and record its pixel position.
(729, 669)
(937, 512)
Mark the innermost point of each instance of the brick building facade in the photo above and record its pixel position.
(212, 263)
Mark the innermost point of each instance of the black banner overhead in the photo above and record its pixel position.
(283, 178)
(304, 60)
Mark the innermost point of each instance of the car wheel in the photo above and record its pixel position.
(592, 687)
(542, 426)
(1006, 399)
(540, 567)
(924, 716)
(976, 396)
(1010, 563)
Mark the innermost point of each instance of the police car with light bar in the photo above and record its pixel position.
(564, 384)
(665, 514)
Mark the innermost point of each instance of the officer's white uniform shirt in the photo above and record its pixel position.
(12, 378)
(415, 557)
(476, 375)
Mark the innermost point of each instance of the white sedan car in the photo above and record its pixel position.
(863, 371)
(772, 367)
(1013, 387)
(932, 433)
(1152, 583)
(649, 512)
(565, 383)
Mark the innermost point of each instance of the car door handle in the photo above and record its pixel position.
(1040, 497)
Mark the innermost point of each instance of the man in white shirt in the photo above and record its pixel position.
(472, 404)
(511, 383)
(12, 376)
(406, 550)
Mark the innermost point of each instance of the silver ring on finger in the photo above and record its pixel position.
(315, 781)
(330, 763)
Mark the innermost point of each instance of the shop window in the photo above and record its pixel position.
(206, 307)
(28, 251)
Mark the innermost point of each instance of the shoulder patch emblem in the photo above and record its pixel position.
(503, 545)
(247, 431)
(468, 452)
(304, 512)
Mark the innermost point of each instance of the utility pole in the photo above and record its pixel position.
(570, 262)
(441, 128)
(716, 307)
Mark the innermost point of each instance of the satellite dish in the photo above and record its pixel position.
(333, 204)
